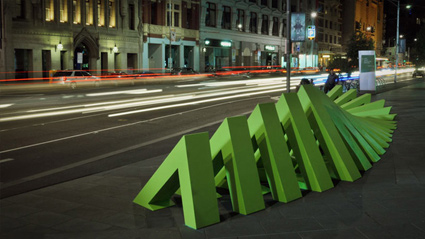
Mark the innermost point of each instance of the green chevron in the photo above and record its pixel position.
(300, 143)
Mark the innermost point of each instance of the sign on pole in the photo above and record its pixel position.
(298, 27)
(367, 65)
(311, 32)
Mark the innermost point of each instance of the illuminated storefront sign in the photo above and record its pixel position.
(218, 43)
(269, 48)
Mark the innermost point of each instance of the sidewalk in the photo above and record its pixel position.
(387, 202)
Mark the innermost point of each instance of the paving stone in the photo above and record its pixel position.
(80, 225)
(46, 219)
(334, 234)
(17, 210)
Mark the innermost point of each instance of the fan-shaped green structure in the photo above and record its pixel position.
(300, 143)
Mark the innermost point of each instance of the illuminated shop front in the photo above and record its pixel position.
(218, 53)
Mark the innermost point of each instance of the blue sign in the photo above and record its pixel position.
(311, 32)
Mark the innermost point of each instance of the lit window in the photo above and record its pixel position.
(112, 13)
(89, 12)
(76, 12)
(50, 10)
(101, 13)
(63, 11)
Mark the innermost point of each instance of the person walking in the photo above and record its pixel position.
(331, 81)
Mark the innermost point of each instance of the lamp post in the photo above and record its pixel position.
(398, 41)
(313, 16)
(288, 46)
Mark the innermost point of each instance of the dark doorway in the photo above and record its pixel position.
(81, 57)
(46, 59)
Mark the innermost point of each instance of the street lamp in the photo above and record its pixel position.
(398, 40)
(313, 16)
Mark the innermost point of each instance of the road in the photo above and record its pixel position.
(51, 135)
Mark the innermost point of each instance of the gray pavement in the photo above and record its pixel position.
(387, 202)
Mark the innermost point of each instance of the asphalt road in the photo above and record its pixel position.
(52, 134)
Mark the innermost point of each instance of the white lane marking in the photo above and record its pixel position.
(6, 160)
(100, 157)
(112, 128)
(131, 92)
(5, 105)
(195, 102)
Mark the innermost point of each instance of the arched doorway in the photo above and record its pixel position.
(82, 57)
(86, 51)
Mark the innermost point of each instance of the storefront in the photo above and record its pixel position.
(218, 54)
(270, 56)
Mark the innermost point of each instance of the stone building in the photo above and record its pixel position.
(98, 36)
(170, 34)
(366, 16)
(242, 33)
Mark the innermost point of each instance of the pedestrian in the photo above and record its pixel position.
(304, 81)
(331, 81)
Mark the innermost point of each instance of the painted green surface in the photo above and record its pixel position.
(300, 143)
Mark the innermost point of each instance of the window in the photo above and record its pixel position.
(284, 28)
(240, 21)
(210, 19)
(330, 39)
(226, 20)
(89, 12)
(76, 12)
(101, 13)
(153, 13)
(20, 9)
(275, 31)
(264, 2)
(326, 37)
(320, 22)
(173, 15)
(131, 17)
(265, 25)
(49, 10)
(326, 23)
(253, 1)
(253, 23)
(320, 37)
(335, 40)
(330, 24)
(63, 11)
(112, 13)
(189, 19)
(274, 3)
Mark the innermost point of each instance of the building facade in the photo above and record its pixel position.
(366, 16)
(170, 34)
(44, 35)
(242, 33)
(329, 29)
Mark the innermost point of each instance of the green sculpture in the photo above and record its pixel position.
(300, 143)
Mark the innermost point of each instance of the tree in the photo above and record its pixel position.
(358, 42)
(338, 62)
(419, 49)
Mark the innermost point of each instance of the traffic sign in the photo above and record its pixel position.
(311, 32)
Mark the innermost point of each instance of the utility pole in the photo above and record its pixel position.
(397, 40)
(288, 46)
(170, 60)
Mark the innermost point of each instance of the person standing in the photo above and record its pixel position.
(331, 81)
